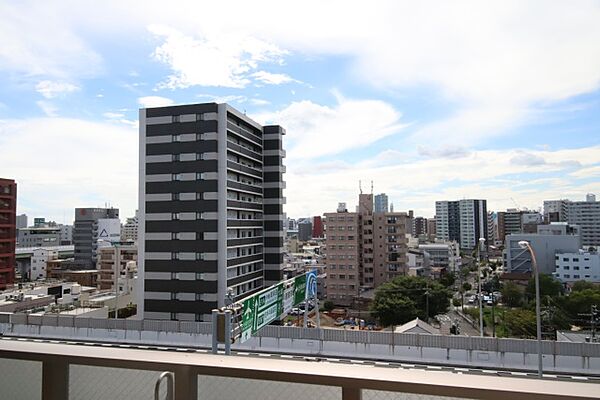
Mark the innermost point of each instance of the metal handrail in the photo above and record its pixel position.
(170, 385)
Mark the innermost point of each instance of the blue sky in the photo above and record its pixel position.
(430, 100)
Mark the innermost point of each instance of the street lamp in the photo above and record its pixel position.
(479, 245)
(525, 245)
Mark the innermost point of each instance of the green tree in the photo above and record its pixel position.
(393, 309)
(407, 297)
(512, 295)
(448, 279)
(520, 323)
(467, 286)
(580, 302)
(548, 287)
(582, 285)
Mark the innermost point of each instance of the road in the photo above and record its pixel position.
(465, 327)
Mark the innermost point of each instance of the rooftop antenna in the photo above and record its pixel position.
(360, 186)
(371, 187)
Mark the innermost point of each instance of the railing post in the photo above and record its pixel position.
(228, 332)
(215, 343)
(55, 379)
(351, 393)
(186, 383)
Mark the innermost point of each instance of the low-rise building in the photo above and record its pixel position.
(111, 256)
(577, 266)
(443, 255)
(41, 236)
(39, 262)
(546, 244)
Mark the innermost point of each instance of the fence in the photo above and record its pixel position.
(474, 343)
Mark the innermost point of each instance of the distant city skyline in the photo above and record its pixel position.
(430, 101)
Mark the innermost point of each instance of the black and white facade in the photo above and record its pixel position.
(463, 221)
(211, 209)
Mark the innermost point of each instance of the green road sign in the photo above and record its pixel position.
(273, 303)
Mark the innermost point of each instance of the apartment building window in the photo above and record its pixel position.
(575, 276)
(175, 216)
(342, 276)
(199, 216)
(173, 316)
(176, 138)
(174, 276)
(174, 236)
(333, 276)
(199, 256)
(199, 156)
(199, 276)
(174, 256)
(174, 196)
(200, 117)
(173, 296)
(198, 317)
(175, 118)
(175, 177)
(200, 176)
(566, 267)
(576, 268)
(198, 296)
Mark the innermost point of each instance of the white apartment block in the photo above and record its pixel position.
(579, 266)
(39, 262)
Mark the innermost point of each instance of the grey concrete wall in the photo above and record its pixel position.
(575, 358)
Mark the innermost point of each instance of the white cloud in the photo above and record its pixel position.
(314, 130)
(154, 101)
(259, 102)
(225, 60)
(77, 164)
(587, 172)
(50, 89)
(232, 98)
(272, 79)
(48, 108)
(120, 118)
(37, 40)
(113, 115)
(416, 183)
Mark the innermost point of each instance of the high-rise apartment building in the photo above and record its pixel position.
(91, 225)
(419, 226)
(343, 243)
(317, 227)
(514, 221)
(211, 209)
(586, 214)
(305, 229)
(129, 231)
(21, 221)
(389, 246)
(381, 203)
(8, 213)
(363, 249)
(464, 221)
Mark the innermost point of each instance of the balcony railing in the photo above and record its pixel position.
(59, 371)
